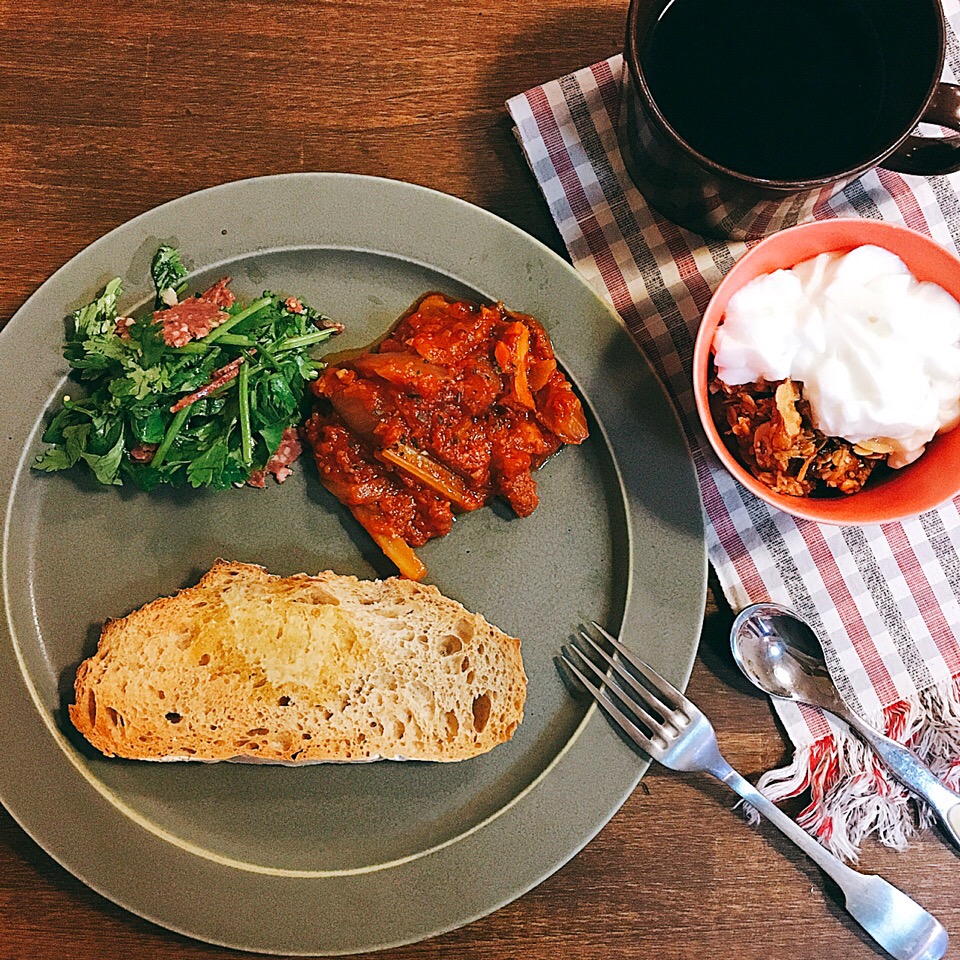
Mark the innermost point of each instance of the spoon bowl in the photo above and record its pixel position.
(779, 653)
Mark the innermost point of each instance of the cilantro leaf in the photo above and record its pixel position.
(168, 273)
(272, 434)
(149, 425)
(106, 466)
(206, 468)
(92, 345)
(148, 336)
(55, 458)
(98, 317)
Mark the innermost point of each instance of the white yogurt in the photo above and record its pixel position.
(878, 352)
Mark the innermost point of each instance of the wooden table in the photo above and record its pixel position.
(109, 109)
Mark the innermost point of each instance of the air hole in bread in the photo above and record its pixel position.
(258, 732)
(115, 718)
(453, 725)
(481, 712)
(283, 702)
(308, 736)
(471, 676)
(449, 645)
(204, 660)
(161, 695)
(173, 717)
(464, 629)
(465, 665)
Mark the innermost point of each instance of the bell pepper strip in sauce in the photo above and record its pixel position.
(458, 405)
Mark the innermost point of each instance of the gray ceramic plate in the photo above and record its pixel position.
(338, 859)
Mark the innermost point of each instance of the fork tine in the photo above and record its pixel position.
(636, 708)
(647, 696)
(613, 711)
(671, 695)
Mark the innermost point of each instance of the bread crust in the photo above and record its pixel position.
(248, 665)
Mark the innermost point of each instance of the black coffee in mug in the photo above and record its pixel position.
(789, 90)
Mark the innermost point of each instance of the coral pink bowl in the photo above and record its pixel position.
(925, 483)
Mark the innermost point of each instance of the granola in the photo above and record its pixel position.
(770, 427)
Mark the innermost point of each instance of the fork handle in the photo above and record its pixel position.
(899, 924)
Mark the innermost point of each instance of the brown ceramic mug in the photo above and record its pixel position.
(742, 115)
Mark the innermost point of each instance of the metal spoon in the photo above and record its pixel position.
(781, 655)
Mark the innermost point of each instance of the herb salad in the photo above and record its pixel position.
(201, 391)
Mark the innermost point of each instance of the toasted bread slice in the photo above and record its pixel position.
(246, 665)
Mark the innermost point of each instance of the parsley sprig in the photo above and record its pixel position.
(124, 428)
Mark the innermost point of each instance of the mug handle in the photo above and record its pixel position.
(931, 156)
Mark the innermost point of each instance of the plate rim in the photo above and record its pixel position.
(593, 735)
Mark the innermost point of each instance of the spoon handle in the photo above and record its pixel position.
(898, 923)
(913, 773)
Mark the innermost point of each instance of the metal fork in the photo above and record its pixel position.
(660, 720)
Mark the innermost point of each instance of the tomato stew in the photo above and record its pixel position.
(459, 404)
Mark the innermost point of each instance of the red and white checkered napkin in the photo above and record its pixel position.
(885, 599)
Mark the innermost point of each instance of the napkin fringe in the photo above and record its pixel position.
(851, 793)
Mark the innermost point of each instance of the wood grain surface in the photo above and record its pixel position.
(109, 109)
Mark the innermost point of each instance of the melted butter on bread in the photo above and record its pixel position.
(308, 644)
